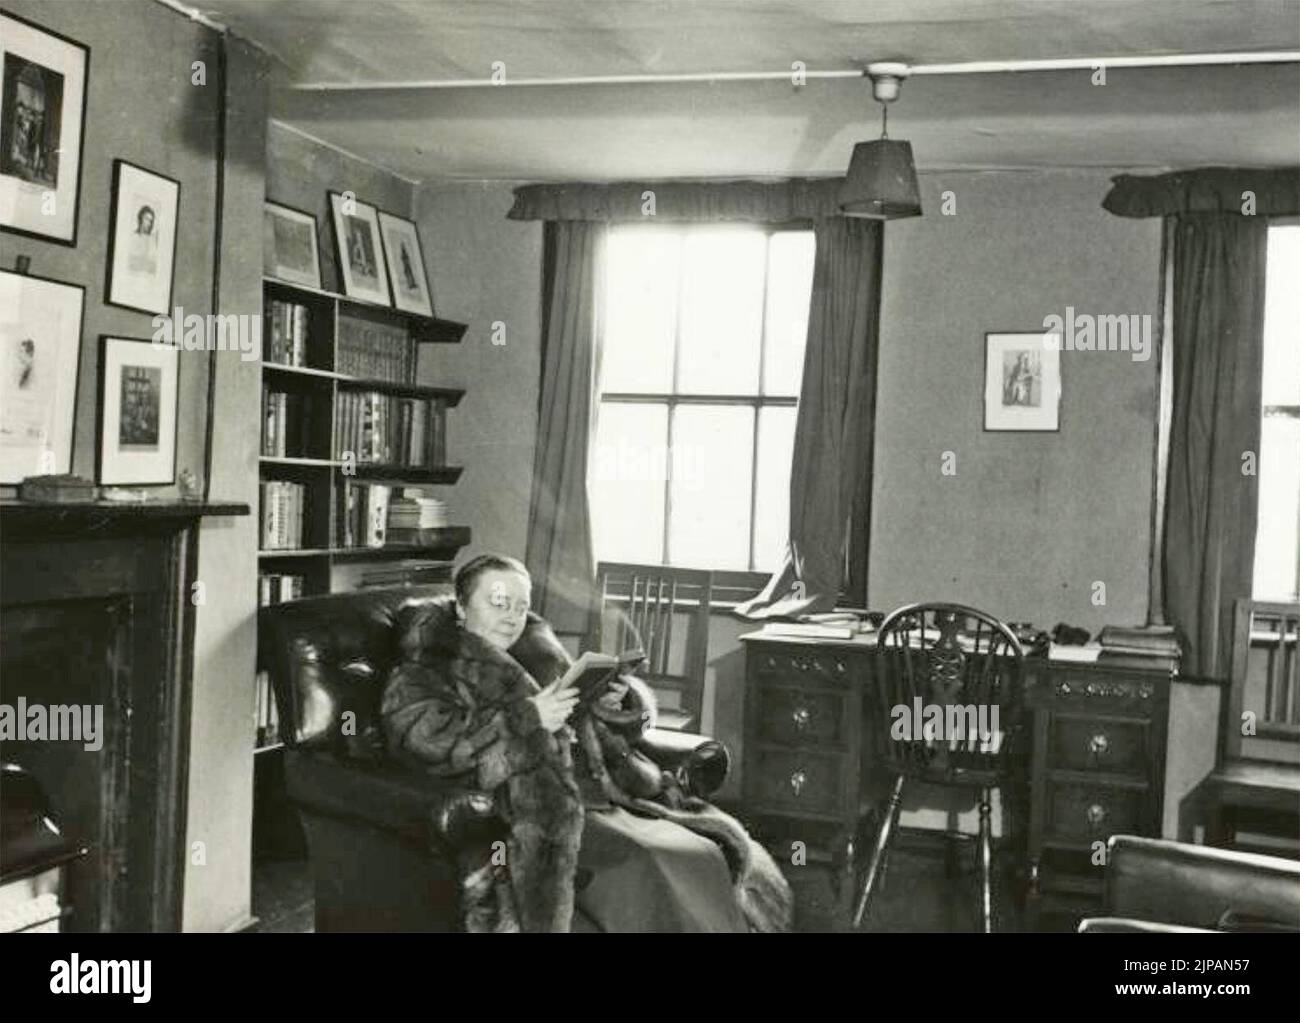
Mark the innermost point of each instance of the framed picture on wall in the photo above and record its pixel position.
(142, 239)
(289, 250)
(362, 271)
(40, 353)
(405, 258)
(137, 411)
(1022, 381)
(42, 129)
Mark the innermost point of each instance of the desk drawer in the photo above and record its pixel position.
(797, 780)
(1080, 742)
(802, 664)
(1090, 813)
(811, 716)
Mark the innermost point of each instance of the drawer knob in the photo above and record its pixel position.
(797, 782)
(800, 717)
(1099, 744)
(1095, 814)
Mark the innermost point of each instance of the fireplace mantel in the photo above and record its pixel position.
(96, 608)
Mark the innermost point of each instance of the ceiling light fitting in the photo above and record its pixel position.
(881, 181)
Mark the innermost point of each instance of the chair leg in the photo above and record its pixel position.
(986, 861)
(883, 836)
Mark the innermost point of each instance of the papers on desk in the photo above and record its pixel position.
(809, 630)
(1086, 654)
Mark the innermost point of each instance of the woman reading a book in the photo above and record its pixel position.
(599, 839)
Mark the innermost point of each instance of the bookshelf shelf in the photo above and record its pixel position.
(315, 462)
(451, 395)
(408, 475)
(423, 329)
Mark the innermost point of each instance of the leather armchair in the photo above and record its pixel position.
(384, 840)
(1156, 885)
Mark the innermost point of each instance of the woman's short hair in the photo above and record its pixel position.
(467, 575)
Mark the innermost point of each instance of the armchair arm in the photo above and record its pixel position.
(699, 763)
(1122, 925)
(1195, 886)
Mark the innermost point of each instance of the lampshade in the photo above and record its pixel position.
(881, 182)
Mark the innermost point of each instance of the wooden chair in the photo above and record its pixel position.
(1257, 779)
(649, 602)
(945, 656)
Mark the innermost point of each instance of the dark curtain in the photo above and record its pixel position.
(559, 552)
(835, 428)
(1218, 324)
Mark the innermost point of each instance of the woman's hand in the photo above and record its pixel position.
(554, 705)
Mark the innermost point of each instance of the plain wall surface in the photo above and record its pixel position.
(486, 272)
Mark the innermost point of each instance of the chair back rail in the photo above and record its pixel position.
(960, 672)
(1265, 679)
(649, 600)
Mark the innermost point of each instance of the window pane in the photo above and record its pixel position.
(772, 503)
(625, 482)
(1276, 538)
(789, 291)
(712, 462)
(1282, 317)
(722, 310)
(642, 267)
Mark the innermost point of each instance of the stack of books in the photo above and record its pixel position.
(1152, 647)
(412, 516)
(63, 488)
(283, 504)
(286, 329)
(383, 429)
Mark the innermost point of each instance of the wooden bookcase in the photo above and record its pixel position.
(312, 456)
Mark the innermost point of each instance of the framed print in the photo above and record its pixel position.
(42, 129)
(1022, 381)
(405, 264)
(137, 411)
(289, 250)
(142, 239)
(362, 271)
(40, 353)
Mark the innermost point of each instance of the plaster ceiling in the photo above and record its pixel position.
(1140, 118)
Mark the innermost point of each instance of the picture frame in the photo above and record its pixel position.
(142, 239)
(40, 362)
(43, 78)
(1022, 382)
(408, 280)
(363, 273)
(138, 397)
(290, 249)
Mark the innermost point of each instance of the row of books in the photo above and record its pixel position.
(1150, 647)
(283, 505)
(362, 519)
(286, 422)
(285, 333)
(374, 351)
(266, 717)
(388, 430)
(274, 588)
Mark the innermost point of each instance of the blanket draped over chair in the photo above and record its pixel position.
(458, 706)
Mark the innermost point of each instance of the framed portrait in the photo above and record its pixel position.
(142, 239)
(362, 271)
(137, 411)
(42, 129)
(289, 250)
(405, 258)
(40, 353)
(1022, 382)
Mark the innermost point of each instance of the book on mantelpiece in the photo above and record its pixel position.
(63, 488)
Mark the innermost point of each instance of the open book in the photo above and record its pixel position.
(591, 673)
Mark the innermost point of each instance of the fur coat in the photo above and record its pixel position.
(457, 706)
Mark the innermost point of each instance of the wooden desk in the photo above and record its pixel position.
(1095, 757)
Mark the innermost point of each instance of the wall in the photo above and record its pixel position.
(486, 270)
(299, 173)
(147, 112)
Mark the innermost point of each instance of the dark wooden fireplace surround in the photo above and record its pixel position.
(95, 609)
